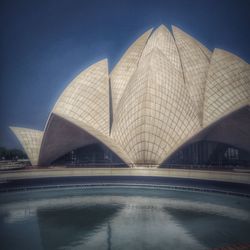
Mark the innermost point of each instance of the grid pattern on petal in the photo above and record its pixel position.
(107, 140)
(151, 119)
(125, 68)
(31, 141)
(195, 66)
(87, 97)
(61, 137)
(164, 41)
(227, 86)
(204, 49)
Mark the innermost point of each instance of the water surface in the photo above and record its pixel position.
(121, 218)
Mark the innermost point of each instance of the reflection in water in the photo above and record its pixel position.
(109, 237)
(63, 227)
(120, 219)
(146, 227)
(209, 229)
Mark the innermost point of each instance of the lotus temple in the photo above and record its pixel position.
(153, 154)
(169, 100)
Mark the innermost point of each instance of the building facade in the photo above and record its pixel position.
(169, 100)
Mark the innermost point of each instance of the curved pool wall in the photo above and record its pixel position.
(227, 182)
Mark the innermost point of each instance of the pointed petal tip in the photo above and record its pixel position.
(103, 61)
(162, 27)
(219, 50)
(147, 33)
(176, 29)
(225, 52)
(14, 128)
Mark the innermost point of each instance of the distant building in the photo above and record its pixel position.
(169, 100)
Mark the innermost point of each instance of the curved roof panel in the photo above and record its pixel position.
(107, 140)
(87, 97)
(233, 129)
(125, 68)
(195, 65)
(31, 140)
(227, 86)
(61, 137)
(165, 91)
(164, 41)
(151, 120)
(204, 49)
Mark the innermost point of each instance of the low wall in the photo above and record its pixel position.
(225, 176)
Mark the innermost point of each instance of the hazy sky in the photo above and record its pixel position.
(46, 43)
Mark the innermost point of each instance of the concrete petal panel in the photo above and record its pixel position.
(205, 50)
(125, 68)
(31, 140)
(96, 135)
(195, 65)
(227, 86)
(151, 120)
(164, 41)
(87, 97)
(60, 137)
(234, 129)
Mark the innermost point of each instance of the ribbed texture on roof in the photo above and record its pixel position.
(227, 86)
(165, 90)
(87, 98)
(125, 68)
(195, 66)
(151, 120)
(31, 140)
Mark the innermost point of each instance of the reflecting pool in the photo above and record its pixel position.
(122, 218)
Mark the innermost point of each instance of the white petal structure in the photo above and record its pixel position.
(227, 85)
(65, 134)
(195, 65)
(126, 67)
(151, 121)
(205, 50)
(101, 138)
(31, 141)
(167, 90)
(232, 129)
(80, 116)
(86, 98)
(162, 39)
(61, 137)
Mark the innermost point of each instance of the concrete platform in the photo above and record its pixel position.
(225, 176)
(226, 182)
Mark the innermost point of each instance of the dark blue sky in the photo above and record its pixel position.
(46, 43)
